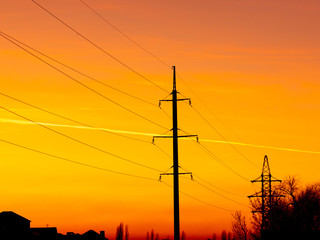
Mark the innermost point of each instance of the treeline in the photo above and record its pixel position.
(122, 233)
(294, 214)
(223, 236)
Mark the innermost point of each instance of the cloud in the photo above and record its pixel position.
(5, 120)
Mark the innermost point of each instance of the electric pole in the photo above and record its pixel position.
(266, 196)
(175, 166)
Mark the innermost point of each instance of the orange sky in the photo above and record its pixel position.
(255, 65)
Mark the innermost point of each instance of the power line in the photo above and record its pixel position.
(79, 72)
(81, 142)
(75, 162)
(83, 124)
(207, 182)
(100, 48)
(224, 137)
(125, 35)
(213, 156)
(215, 192)
(210, 110)
(211, 126)
(196, 175)
(82, 84)
(220, 194)
(163, 151)
(197, 199)
(69, 119)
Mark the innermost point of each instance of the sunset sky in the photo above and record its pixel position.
(250, 67)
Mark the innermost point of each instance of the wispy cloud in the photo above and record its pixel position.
(12, 121)
(5, 120)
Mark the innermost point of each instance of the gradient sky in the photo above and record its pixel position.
(250, 67)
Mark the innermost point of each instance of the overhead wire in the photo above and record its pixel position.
(216, 158)
(166, 64)
(79, 141)
(123, 34)
(75, 162)
(207, 182)
(199, 200)
(252, 163)
(77, 71)
(215, 192)
(98, 47)
(134, 71)
(163, 151)
(120, 32)
(82, 84)
(187, 170)
(80, 123)
(71, 120)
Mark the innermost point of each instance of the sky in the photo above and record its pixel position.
(251, 69)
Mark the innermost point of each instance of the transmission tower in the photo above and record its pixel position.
(265, 194)
(175, 166)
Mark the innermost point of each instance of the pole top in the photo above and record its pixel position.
(174, 77)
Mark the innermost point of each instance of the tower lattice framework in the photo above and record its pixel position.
(265, 194)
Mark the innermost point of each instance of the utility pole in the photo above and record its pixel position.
(266, 196)
(175, 166)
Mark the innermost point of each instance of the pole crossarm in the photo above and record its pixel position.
(263, 176)
(170, 100)
(266, 195)
(175, 136)
(180, 173)
(181, 136)
(257, 195)
(261, 180)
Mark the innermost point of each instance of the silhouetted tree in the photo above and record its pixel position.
(147, 238)
(183, 235)
(126, 235)
(294, 216)
(119, 234)
(157, 237)
(214, 236)
(229, 236)
(224, 235)
(152, 235)
(239, 227)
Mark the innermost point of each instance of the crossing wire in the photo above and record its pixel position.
(77, 71)
(69, 119)
(252, 163)
(166, 64)
(210, 189)
(98, 47)
(139, 75)
(80, 142)
(215, 192)
(78, 122)
(75, 162)
(213, 156)
(199, 200)
(123, 34)
(82, 84)
(207, 182)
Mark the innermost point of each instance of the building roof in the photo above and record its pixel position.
(11, 215)
(92, 235)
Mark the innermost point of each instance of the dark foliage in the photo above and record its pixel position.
(295, 212)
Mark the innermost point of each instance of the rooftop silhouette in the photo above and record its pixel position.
(15, 227)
